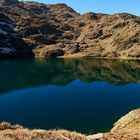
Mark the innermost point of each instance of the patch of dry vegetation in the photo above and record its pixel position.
(127, 128)
(16, 132)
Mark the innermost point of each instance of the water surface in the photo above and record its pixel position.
(85, 95)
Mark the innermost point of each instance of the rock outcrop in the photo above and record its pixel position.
(66, 33)
(11, 45)
(127, 128)
(8, 2)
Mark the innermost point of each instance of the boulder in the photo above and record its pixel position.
(49, 51)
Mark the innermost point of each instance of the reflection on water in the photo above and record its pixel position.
(17, 74)
(87, 95)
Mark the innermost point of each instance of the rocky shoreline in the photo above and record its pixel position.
(31, 29)
(127, 128)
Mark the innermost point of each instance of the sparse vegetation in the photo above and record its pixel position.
(127, 128)
(42, 26)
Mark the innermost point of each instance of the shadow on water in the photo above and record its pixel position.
(18, 74)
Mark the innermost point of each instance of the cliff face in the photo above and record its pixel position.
(11, 45)
(58, 30)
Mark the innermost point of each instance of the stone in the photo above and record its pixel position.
(11, 46)
(95, 136)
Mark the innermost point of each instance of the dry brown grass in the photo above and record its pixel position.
(127, 128)
(16, 132)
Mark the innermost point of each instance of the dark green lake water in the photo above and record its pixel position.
(85, 95)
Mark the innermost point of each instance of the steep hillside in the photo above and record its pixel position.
(58, 30)
(11, 45)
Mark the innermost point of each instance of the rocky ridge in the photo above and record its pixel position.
(59, 31)
(127, 128)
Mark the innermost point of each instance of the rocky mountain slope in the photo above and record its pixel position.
(127, 128)
(10, 44)
(59, 31)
